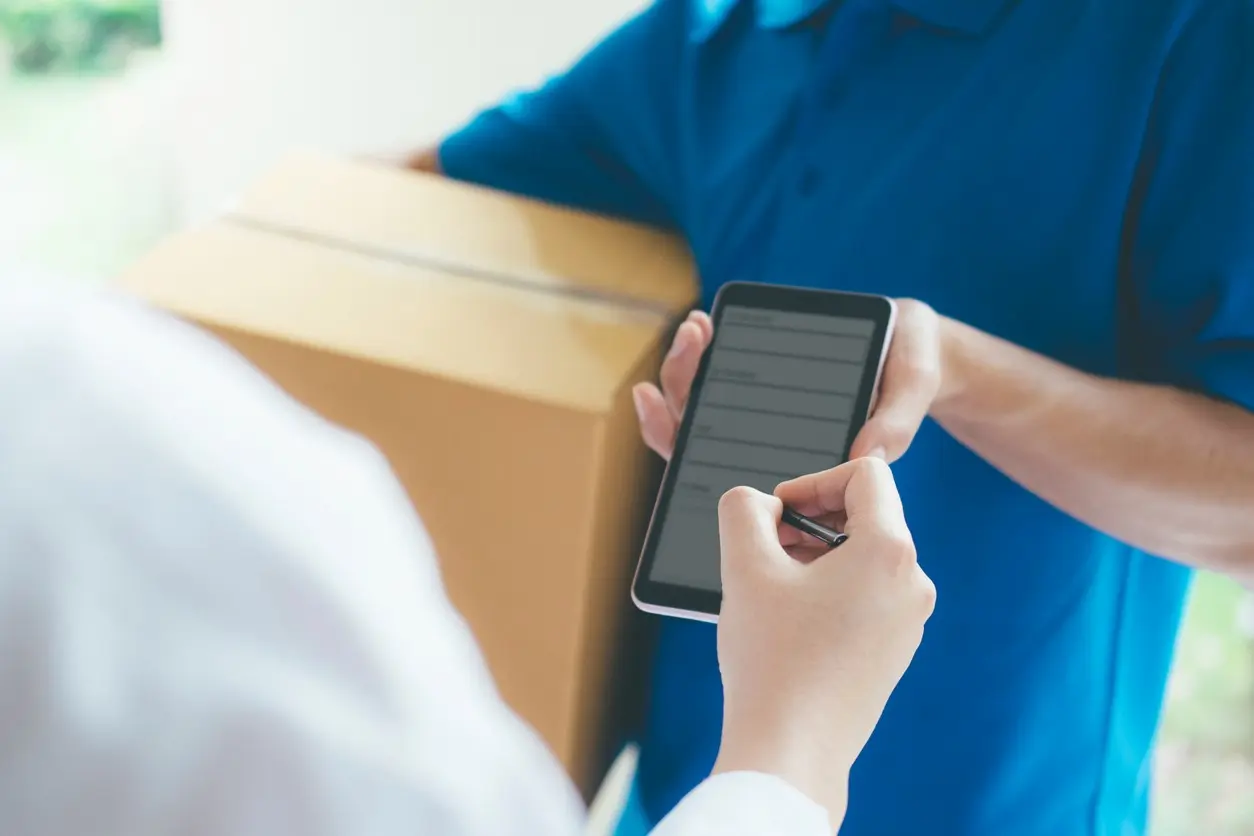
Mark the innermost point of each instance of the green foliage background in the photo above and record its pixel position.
(42, 37)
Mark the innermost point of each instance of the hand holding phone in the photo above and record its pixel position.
(912, 381)
(782, 391)
(661, 407)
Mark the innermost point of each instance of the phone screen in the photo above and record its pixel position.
(777, 401)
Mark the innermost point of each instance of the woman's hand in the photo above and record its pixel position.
(810, 651)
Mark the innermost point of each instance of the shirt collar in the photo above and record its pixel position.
(970, 17)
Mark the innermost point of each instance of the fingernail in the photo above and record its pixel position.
(638, 401)
(677, 348)
(878, 453)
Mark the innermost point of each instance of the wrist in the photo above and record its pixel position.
(819, 772)
(956, 368)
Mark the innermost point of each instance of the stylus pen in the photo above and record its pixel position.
(815, 529)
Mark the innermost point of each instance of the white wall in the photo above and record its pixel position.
(255, 77)
(84, 172)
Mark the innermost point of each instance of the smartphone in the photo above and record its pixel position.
(782, 391)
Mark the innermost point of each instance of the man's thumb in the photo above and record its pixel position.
(887, 434)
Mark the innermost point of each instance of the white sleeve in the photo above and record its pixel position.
(746, 804)
(219, 616)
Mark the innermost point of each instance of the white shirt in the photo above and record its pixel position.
(218, 615)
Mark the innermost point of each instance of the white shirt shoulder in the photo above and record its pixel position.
(219, 614)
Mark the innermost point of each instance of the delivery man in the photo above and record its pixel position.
(219, 616)
(1069, 185)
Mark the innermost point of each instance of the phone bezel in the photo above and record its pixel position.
(703, 604)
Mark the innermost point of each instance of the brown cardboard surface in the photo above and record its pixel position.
(417, 216)
(487, 345)
(562, 350)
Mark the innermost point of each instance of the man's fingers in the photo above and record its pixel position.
(863, 489)
(702, 320)
(657, 426)
(680, 366)
(911, 379)
(661, 410)
(426, 159)
(748, 530)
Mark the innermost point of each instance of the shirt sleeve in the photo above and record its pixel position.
(745, 804)
(602, 136)
(1189, 284)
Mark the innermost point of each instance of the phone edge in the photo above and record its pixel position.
(879, 369)
(674, 612)
(697, 615)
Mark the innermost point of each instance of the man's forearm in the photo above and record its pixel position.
(1164, 470)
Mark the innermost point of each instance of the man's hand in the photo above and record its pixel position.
(811, 651)
(661, 409)
(424, 159)
(1167, 471)
(912, 379)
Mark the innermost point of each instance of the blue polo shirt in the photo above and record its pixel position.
(1074, 175)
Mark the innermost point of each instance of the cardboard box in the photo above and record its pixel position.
(487, 344)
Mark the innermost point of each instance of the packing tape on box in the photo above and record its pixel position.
(535, 283)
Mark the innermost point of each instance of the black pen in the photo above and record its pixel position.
(815, 529)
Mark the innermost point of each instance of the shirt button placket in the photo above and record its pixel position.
(855, 30)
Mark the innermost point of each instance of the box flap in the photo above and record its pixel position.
(568, 352)
(414, 217)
